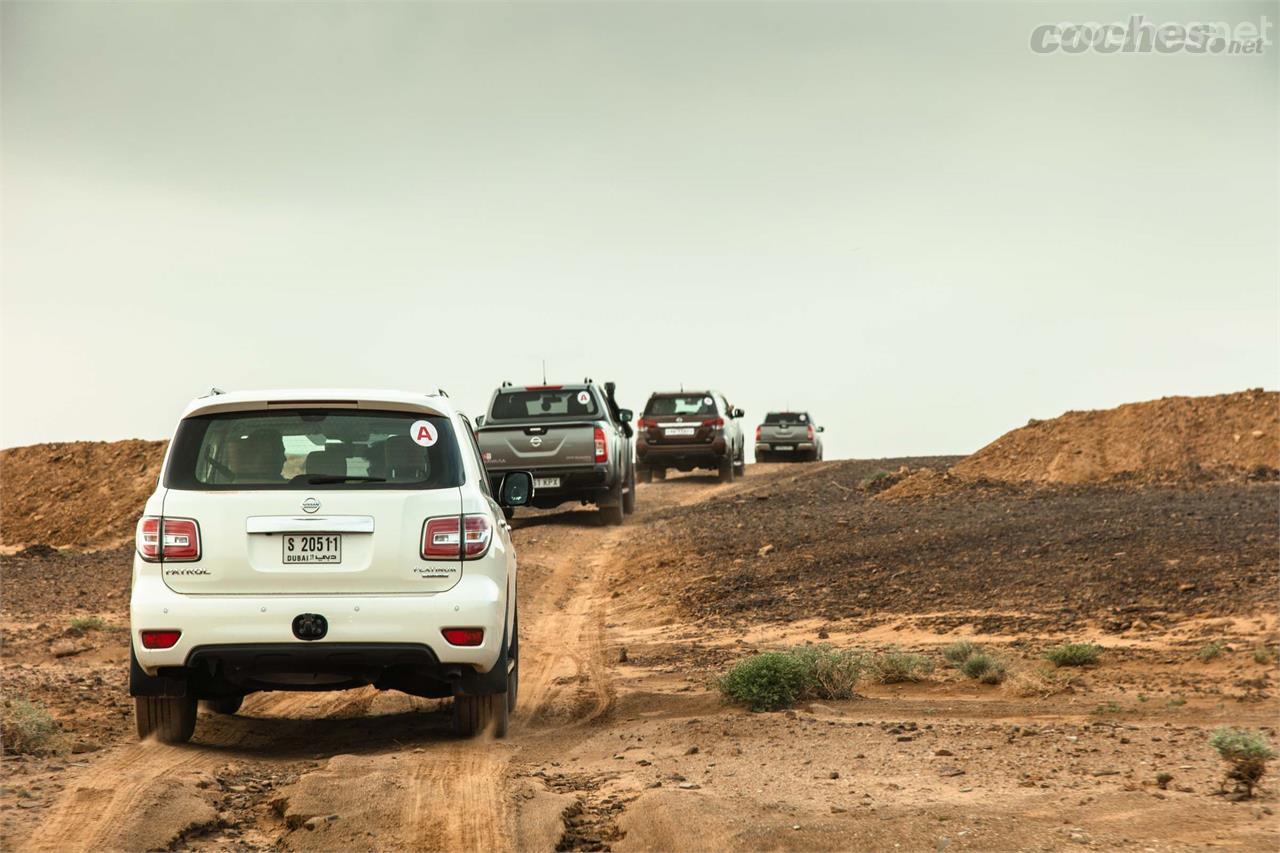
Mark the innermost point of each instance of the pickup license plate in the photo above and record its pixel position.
(679, 431)
(546, 482)
(305, 548)
(784, 447)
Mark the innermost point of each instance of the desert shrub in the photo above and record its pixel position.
(1176, 701)
(1246, 754)
(1042, 682)
(88, 623)
(1107, 708)
(1210, 651)
(877, 482)
(894, 666)
(984, 668)
(26, 727)
(1074, 654)
(830, 673)
(1264, 655)
(960, 651)
(1163, 780)
(766, 682)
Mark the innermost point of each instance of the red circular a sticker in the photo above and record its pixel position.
(584, 397)
(423, 433)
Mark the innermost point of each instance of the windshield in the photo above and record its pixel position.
(681, 404)
(304, 448)
(786, 418)
(543, 403)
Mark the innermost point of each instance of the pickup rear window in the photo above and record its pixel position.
(310, 448)
(550, 403)
(681, 404)
(786, 417)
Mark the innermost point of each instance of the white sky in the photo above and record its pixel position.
(894, 215)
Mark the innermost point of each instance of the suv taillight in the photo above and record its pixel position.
(809, 431)
(714, 423)
(181, 539)
(602, 447)
(440, 537)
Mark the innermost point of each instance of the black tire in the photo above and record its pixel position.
(473, 715)
(508, 512)
(629, 496)
(612, 515)
(762, 456)
(646, 475)
(513, 675)
(740, 467)
(168, 720)
(225, 705)
(726, 469)
(659, 473)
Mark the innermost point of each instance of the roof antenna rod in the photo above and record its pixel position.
(544, 371)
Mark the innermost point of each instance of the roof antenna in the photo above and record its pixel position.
(681, 387)
(544, 371)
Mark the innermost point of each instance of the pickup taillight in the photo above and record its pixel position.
(180, 541)
(602, 446)
(757, 433)
(809, 431)
(440, 537)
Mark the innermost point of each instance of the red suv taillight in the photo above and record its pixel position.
(165, 639)
(602, 447)
(714, 423)
(440, 537)
(181, 540)
(809, 431)
(463, 636)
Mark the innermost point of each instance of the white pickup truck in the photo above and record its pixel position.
(573, 439)
(322, 540)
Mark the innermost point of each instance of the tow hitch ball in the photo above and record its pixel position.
(310, 626)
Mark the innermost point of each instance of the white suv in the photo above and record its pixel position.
(322, 540)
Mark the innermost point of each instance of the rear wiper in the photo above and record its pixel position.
(321, 479)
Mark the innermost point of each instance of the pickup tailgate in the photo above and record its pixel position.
(784, 433)
(530, 448)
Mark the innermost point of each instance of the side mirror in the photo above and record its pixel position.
(736, 413)
(625, 415)
(516, 489)
(479, 421)
(822, 429)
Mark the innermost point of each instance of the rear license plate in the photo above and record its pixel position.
(312, 548)
(784, 447)
(679, 431)
(546, 482)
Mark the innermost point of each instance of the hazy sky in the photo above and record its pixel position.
(895, 215)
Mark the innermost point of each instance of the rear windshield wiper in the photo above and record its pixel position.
(321, 479)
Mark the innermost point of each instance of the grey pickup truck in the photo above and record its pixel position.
(573, 439)
(789, 435)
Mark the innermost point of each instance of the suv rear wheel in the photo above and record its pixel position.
(629, 496)
(646, 474)
(659, 473)
(170, 720)
(726, 469)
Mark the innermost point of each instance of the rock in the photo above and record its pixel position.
(838, 810)
(943, 752)
(835, 774)
(950, 770)
(689, 786)
(66, 648)
(39, 550)
(693, 750)
(622, 655)
(764, 552)
(822, 634)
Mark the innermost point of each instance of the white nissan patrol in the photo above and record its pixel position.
(323, 540)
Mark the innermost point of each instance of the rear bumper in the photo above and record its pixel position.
(575, 483)
(703, 454)
(247, 642)
(792, 446)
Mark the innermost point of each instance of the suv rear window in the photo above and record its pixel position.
(681, 404)
(305, 448)
(786, 417)
(548, 403)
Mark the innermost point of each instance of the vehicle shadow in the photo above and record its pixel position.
(286, 737)
(571, 518)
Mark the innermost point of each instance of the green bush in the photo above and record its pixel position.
(1211, 651)
(959, 652)
(1074, 654)
(984, 668)
(1246, 754)
(88, 623)
(1262, 654)
(766, 682)
(26, 727)
(775, 680)
(831, 673)
(894, 667)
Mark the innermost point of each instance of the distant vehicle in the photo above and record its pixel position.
(788, 435)
(685, 430)
(574, 439)
(324, 540)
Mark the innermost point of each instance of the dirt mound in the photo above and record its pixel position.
(924, 483)
(1177, 439)
(83, 494)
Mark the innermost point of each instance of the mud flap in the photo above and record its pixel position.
(474, 683)
(141, 684)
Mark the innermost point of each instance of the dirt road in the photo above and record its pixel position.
(619, 743)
